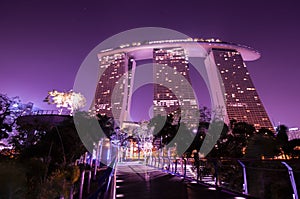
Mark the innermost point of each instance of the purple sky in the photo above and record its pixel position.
(43, 43)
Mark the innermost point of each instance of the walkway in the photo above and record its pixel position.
(135, 180)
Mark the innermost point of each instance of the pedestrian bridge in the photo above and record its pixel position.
(137, 180)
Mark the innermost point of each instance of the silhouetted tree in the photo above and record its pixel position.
(295, 148)
(9, 111)
(262, 143)
(232, 143)
(13, 179)
(28, 135)
(266, 132)
(205, 114)
(199, 138)
(282, 139)
(243, 129)
(107, 124)
(164, 129)
(49, 160)
(218, 134)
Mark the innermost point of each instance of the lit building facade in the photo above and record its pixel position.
(241, 99)
(229, 81)
(112, 97)
(173, 62)
(294, 133)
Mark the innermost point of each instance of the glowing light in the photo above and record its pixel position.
(70, 100)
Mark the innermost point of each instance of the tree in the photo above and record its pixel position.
(91, 128)
(295, 148)
(241, 133)
(70, 100)
(59, 142)
(205, 114)
(49, 162)
(13, 179)
(220, 140)
(204, 122)
(282, 139)
(199, 138)
(243, 129)
(144, 135)
(261, 144)
(168, 131)
(231, 143)
(163, 128)
(10, 110)
(107, 124)
(5, 123)
(28, 134)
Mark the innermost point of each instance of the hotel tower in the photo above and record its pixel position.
(230, 84)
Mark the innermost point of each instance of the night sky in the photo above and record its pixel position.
(43, 43)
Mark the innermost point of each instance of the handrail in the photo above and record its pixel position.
(105, 182)
(211, 171)
(292, 179)
(184, 160)
(47, 112)
(244, 176)
(111, 180)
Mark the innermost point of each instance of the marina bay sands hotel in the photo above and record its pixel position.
(225, 73)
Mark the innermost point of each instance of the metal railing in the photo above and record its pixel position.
(106, 183)
(246, 177)
(48, 112)
(90, 184)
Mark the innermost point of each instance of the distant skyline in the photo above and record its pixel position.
(42, 44)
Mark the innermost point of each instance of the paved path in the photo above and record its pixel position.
(137, 181)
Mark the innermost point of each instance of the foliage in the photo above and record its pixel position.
(107, 124)
(262, 144)
(70, 100)
(269, 179)
(222, 142)
(205, 114)
(144, 134)
(283, 140)
(243, 129)
(59, 183)
(48, 161)
(10, 110)
(294, 146)
(239, 138)
(163, 129)
(12, 179)
(61, 144)
(28, 135)
(199, 137)
(232, 141)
